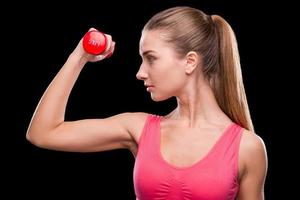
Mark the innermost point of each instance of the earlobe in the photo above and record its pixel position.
(189, 69)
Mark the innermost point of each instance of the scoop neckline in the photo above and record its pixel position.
(200, 160)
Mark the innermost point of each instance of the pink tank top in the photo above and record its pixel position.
(214, 177)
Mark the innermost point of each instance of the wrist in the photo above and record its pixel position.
(78, 60)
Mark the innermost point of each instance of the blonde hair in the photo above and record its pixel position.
(189, 29)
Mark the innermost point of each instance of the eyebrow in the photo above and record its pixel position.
(147, 52)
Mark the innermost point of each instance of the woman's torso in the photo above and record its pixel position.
(180, 152)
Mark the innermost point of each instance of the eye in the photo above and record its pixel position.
(150, 59)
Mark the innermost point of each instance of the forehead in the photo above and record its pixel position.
(152, 40)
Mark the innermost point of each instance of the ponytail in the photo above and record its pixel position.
(228, 85)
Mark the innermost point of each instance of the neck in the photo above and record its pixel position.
(197, 105)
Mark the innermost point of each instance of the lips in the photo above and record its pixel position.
(148, 87)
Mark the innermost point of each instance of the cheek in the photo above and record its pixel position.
(172, 81)
(169, 76)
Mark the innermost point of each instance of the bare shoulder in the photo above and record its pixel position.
(252, 144)
(252, 166)
(253, 154)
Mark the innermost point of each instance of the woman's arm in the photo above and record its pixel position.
(253, 157)
(48, 128)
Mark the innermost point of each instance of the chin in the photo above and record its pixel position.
(158, 98)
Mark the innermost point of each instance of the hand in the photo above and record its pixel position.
(82, 54)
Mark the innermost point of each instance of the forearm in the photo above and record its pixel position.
(50, 111)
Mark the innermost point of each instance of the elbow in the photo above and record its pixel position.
(30, 137)
(35, 139)
(43, 137)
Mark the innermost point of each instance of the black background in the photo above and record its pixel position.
(40, 36)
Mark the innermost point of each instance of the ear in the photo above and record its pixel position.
(192, 61)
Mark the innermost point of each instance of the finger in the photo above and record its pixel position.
(111, 51)
(92, 29)
(108, 43)
(99, 57)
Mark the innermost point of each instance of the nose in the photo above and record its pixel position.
(141, 74)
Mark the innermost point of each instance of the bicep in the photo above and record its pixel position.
(254, 156)
(91, 135)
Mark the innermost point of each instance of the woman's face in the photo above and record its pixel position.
(162, 71)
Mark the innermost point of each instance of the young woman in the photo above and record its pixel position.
(205, 148)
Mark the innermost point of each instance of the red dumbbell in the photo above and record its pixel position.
(94, 42)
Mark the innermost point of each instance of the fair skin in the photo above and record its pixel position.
(187, 132)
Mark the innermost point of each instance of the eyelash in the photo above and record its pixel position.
(150, 59)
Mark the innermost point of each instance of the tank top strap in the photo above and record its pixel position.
(149, 133)
(227, 150)
(231, 139)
